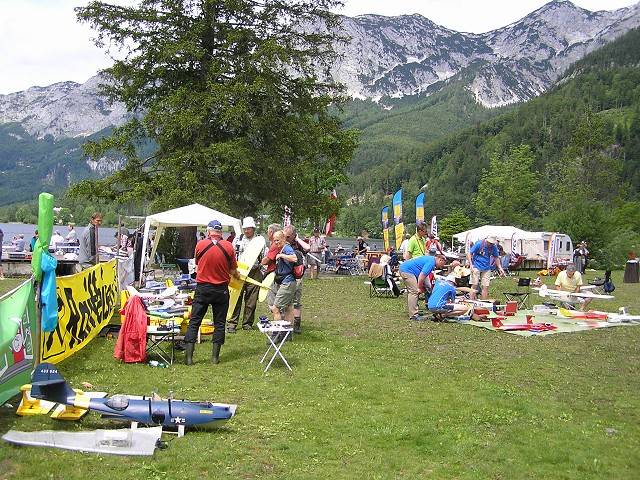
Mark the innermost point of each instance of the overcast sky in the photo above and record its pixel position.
(41, 43)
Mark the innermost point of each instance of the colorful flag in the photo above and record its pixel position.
(328, 226)
(420, 208)
(552, 251)
(397, 218)
(385, 227)
(286, 219)
(434, 226)
(514, 248)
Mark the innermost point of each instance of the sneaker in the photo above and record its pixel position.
(418, 318)
(231, 330)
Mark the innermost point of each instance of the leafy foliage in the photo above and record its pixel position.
(226, 91)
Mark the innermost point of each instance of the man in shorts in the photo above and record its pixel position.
(479, 261)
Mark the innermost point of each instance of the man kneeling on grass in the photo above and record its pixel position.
(443, 297)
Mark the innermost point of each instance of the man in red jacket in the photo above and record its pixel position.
(216, 262)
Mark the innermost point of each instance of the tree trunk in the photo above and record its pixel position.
(187, 239)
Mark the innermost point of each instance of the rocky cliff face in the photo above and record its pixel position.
(386, 57)
(408, 55)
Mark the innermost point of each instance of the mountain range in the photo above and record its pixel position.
(389, 60)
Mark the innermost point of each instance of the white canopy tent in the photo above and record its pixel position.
(532, 245)
(194, 215)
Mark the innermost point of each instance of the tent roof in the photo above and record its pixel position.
(194, 215)
(500, 231)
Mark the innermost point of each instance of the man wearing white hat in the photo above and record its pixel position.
(479, 261)
(249, 291)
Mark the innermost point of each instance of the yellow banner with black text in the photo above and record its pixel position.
(85, 305)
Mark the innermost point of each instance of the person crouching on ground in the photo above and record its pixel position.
(442, 299)
(216, 262)
(414, 272)
(285, 261)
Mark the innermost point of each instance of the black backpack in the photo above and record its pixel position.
(299, 267)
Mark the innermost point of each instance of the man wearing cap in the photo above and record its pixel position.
(570, 280)
(479, 261)
(432, 245)
(249, 291)
(216, 264)
(443, 296)
(314, 257)
(414, 272)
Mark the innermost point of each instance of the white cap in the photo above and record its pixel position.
(248, 222)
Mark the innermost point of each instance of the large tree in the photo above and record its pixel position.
(228, 95)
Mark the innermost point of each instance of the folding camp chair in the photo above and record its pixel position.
(378, 288)
(521, 296)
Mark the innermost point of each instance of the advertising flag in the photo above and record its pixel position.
(420, 208)
(286, 219)
(385, 227)
(328, 226)
(514, 248)
(434, 226)
(397, 218)
(552, 251)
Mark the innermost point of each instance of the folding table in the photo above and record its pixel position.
(156, 335)
(277, 333)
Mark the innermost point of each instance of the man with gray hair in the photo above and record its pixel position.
(269, 262)
(570, 280)
(479, 261)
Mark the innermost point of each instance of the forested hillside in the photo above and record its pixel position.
(579, 142)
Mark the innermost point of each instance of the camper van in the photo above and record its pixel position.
(534, 246)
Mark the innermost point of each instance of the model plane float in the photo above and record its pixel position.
(48, 384)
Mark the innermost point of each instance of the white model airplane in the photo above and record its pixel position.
(563, 296)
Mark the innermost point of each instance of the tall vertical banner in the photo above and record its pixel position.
(17, 339)
(514, 248)
(467, 243)
(551, 256)
(385, 227)
(286, 219)
(85, 304)
(434, 226)
(328, 226)
(420, 208)
(397, 218)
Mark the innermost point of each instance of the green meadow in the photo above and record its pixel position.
(375, 396)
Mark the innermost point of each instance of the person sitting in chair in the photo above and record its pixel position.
(387, 274)
(570, 280)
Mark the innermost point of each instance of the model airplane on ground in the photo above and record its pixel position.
(529, 326)
(48, 384)
(563, 296)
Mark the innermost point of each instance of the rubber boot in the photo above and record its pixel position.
(188, 353)
(296, 325)
(216, 353)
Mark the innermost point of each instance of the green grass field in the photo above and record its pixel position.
(375, 396)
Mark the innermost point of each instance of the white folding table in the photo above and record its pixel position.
(277, 333)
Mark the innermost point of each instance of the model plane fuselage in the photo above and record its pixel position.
(48, 384)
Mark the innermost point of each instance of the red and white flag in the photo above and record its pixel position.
(328, 226)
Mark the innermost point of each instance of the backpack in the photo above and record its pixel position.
(608, 286)
(299, 267)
